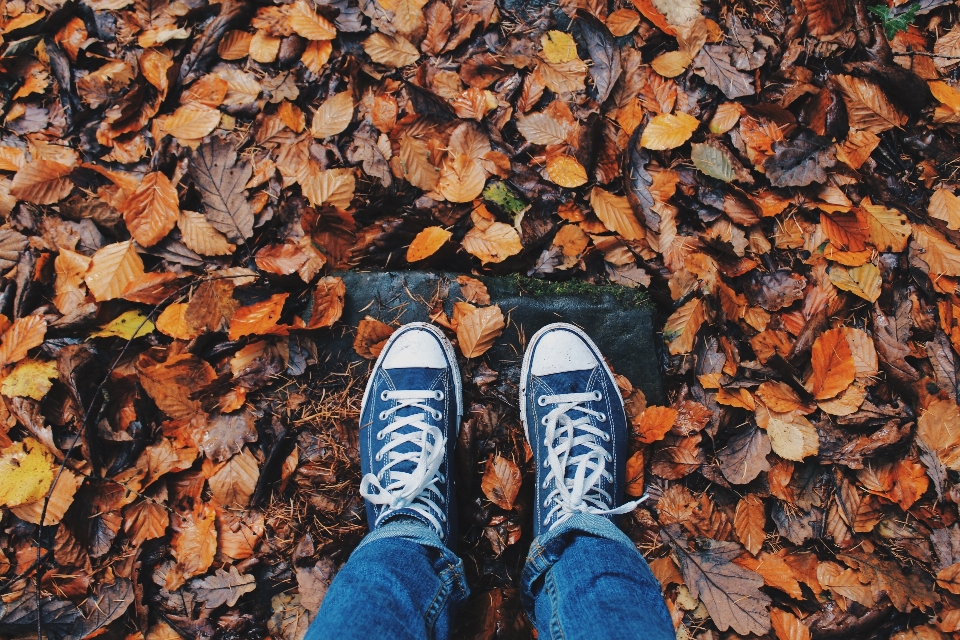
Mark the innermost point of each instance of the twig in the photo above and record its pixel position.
(83, 423)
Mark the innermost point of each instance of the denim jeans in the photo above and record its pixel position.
(584, 579)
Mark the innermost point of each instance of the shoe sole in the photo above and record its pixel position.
(448, 351)
(525, 368)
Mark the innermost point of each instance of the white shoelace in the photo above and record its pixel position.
(415, 490)
(582, 492)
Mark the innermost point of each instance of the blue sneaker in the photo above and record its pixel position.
(409, 421)
(575, 423)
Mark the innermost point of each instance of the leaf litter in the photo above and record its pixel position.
(179, 182)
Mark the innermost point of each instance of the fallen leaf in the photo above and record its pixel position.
(477, 331)
(391, 51)
(668, 131)
(750, 522)
(257, 319)
(333, 116)
(30, 379)
(616, 214)
(24, 334)
(655, 422)
(25, 473)
(792, 437)
(427, 243)
(371, 337)
(566, 171)
(223, 588)
(833, 365)
(786, 625)
(501, 481)
(128, 325)
(42, 182)
(234, 482)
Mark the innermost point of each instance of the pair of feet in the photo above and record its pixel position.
(572, 415)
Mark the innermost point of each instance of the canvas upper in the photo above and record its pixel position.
(409, 421)
(574, 419)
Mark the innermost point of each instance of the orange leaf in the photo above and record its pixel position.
(151, 211)
(655, 423)
(635, 474)
(848, 231)
(749, 522)
(565, 171)
(787, 625)
(112, 269)
(371, 337)
(427, 243)
(24, 334)
(833, 365)
(327, 302)
(650, 13)
(258, 319)
(173, 322)
(478, 330)
(501, 481)
(193, 545)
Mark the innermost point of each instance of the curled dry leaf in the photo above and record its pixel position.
(492, 242)
(371, 337)
(477, 330)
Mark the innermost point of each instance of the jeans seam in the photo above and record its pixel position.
(435, 608)
(556, 629)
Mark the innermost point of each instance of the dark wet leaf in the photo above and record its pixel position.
(604, 53)
(801, 161)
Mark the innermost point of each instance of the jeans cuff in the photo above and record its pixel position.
(548, 547)
(448, 566)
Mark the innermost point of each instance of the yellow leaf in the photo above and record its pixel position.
(391, 51)
(173, 322)
(427, 243)
(566, 171)
(333, 186)
(192, 121)
(60, 501)
(461, 178)
(682, 326)
(725, 117)
(307, 24)
(558, 47)
(199, 235)
(264, 47)
(945, 94)
(945, 206)
(672, 63)
(25, 473)
(333, 116)
(494, 243)
(889, 229)
(30, 379)
(477, 330)
(863, 281)
(128, 325)
(112, 268)
(792, 437)
(616, 214)
(668, 131)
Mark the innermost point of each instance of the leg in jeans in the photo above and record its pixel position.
(583, 577)
(586, 580)
(403, 581)
(400, 583)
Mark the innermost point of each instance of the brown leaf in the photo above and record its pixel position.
(151, 211)
(749, 523)
(24, 334)
(833, 365)
(479, 329)
(473, 290)
(501, 481)
(371, 337)
(200, 236)
(786, 625)
(42, 182)
(112, 269)
(171, 383)
(327, 304)
(233, 483)
(193, 545)
(259, 318)
(635, 474)
(616, 214)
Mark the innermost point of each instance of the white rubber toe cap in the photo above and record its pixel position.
(415, 348)
(559, 351)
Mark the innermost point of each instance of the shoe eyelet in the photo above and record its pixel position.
(546, 464)
(602, 417)
(438, 395)
(437, 416)
(544, 421)
(546, 503)
(378, 457)
(379, 435)
(546, 485)
(383, 415)
(440, 479)
(542, 401)
(597, 395)
(606, 437)
(383, 394)
(443, 518)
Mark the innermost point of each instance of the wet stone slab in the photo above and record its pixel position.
(620, 320)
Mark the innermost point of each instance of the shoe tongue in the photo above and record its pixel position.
(414, 379)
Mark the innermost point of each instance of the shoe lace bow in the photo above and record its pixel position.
(581, 491)
(412, 489)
